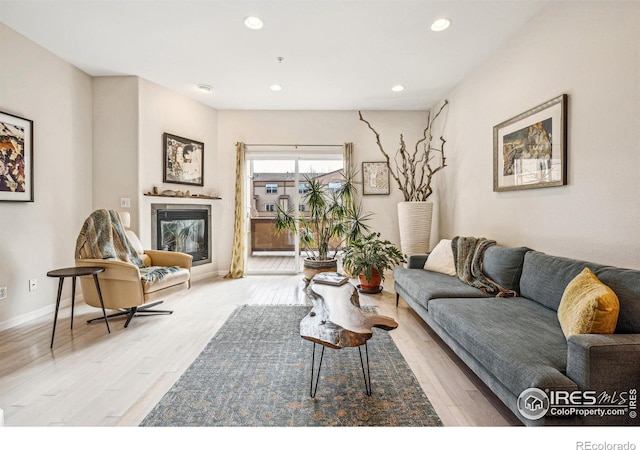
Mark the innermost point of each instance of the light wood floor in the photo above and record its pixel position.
(91, 378)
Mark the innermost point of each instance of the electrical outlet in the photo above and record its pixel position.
(125, 203)
(3, 292)
(33, 284)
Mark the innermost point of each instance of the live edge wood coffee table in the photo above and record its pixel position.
(337, 321)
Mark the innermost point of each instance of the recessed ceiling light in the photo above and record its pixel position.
(440, 24)
(253, 22)
(204, 87)
(397, 88)
(275, 87)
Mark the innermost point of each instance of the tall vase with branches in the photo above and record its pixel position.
(413, 171)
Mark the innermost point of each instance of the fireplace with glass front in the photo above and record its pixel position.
(182, 228)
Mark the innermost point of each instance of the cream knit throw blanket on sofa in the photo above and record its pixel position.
(467, 256)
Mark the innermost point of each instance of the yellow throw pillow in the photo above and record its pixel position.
(588, 306)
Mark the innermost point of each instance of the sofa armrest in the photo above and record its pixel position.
(114, 269)
(604, 362)
(167, 259)
(416, 261)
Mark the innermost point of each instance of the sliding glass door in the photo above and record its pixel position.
(276, 177)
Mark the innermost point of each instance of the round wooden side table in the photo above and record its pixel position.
(73, 273)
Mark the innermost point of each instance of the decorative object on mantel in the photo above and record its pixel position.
(530, 150)
(413, 174)
(16, 158)
(183, 160)
(155, 192)
(181, 195)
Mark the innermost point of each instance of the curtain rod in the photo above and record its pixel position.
(294, 145)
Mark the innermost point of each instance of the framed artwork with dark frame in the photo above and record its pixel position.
(530, 150)
(183, 160)
(375, 178)
(16, 158)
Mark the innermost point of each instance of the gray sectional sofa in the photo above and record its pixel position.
(517, 343)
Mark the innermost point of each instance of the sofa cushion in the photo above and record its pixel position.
(441, 259)
(504, 265)
(515, 339)
(626, 284)
(424, 285)
(588, 306)
(544, 279)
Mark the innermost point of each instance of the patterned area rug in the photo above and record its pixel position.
(256, 372)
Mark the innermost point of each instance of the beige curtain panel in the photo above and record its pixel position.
(347, 152)
(236, 269)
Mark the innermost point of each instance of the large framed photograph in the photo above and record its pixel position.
(375, 178)
(530, 150)
(16, 158)
(183, 160)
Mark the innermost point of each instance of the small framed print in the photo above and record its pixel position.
(16, 158)
(375, 178)
(183, 160)
(530, 150)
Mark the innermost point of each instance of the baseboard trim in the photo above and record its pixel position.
(48, 310)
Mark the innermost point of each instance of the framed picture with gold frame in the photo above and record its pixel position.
(375, 178)
(530, 149)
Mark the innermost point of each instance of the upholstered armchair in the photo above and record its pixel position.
(134, 278)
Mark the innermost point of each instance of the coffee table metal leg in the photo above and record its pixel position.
(55, 317)
(95, 280)
(312, 390)
(367, 374)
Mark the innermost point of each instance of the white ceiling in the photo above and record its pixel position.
(338, 54)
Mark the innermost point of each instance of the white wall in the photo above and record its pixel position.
(589, 51)
(315, 128)
(164, 111)
(115, 143)
(130, 116)
(40, 236)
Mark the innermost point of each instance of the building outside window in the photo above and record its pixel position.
(303, 188)
(334, 186)
(301, 207)
(271, 188)
(270, 207)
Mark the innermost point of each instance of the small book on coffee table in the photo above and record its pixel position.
(332, 278)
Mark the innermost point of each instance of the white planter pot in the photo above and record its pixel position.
(414, 220)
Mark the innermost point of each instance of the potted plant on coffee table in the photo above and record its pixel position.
(369, 256)
(332, 219)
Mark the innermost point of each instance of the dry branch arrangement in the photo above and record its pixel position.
(413, 170)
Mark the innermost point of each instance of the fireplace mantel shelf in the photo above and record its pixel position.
(195, 197)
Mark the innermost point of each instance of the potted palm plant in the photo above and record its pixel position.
(368, 257)
(332, 219)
